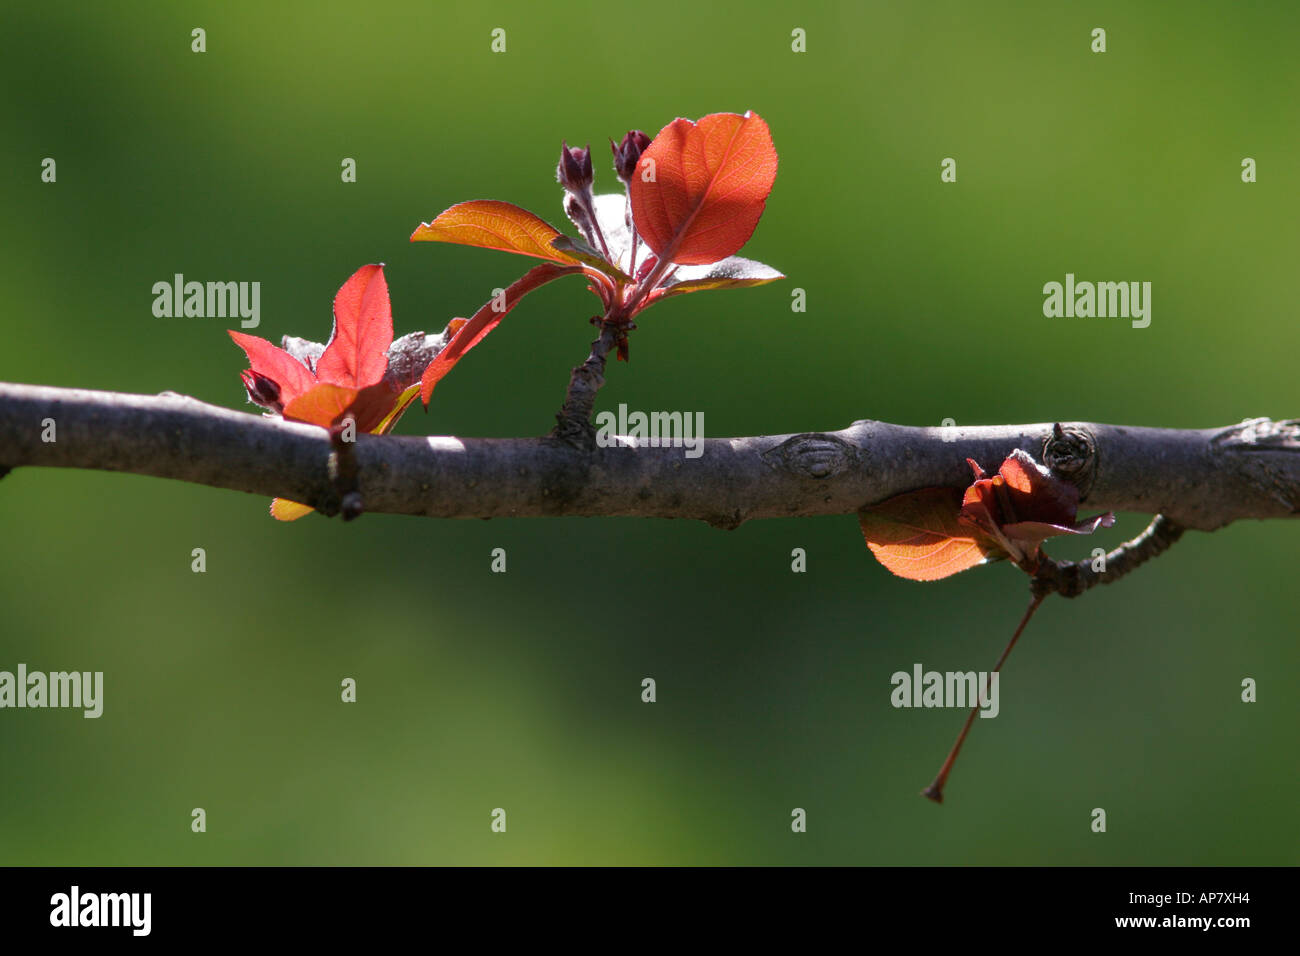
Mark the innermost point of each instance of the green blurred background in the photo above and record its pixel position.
(522, 691)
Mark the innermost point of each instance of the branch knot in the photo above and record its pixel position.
(1071, 452)
(813, 455)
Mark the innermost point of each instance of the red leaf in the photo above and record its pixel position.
(711, 180)
(323, 405)
(919, 535)
(1023, 505)
(292, 377)
(356, 355)
(1036, 493)
(490, 224)
(474, 330)
(375, 409)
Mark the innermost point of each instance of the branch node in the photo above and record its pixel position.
(814, 455)
(1071, 452)
(344, 472)
(351, 506)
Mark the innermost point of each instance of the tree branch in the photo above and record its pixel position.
(1198, 479)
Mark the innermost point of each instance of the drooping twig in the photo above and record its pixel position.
(1072, 578)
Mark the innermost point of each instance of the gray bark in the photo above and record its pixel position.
(1200, 479)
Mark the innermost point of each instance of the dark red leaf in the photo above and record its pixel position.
(1023, 505)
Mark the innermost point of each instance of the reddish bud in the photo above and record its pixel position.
(574, 170)
(628, 152)
(262, 390)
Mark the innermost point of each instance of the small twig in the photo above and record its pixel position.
(935, 790)
(1069, 579)
(573, 422)
(1072, 578)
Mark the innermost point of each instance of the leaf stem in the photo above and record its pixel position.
(643, 289)
(935, 790)
(631, 224)
(589, 204)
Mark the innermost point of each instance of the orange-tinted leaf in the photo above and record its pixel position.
(375, 409)
(490, 224)
(919, 535)
(282, 509)
(356, 355)
(322, 405)
(711, 180)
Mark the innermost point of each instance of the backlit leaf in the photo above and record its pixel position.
(920, 536)
(711, 180)
(282, 509)
(324, 405)
(732, 272)
(490, 224)
(291, 375)
(356, 355)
